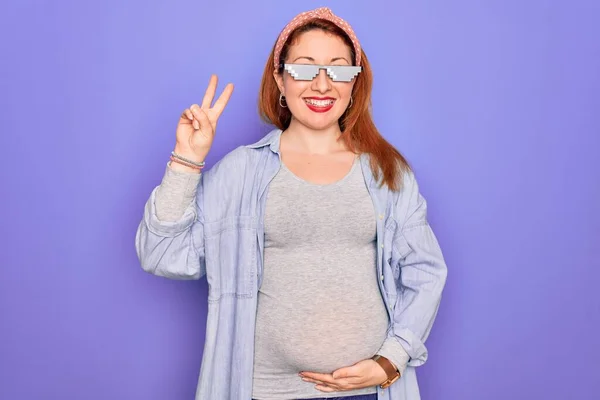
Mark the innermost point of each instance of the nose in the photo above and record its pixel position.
(321, 83)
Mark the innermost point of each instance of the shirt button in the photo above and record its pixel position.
(380, 216)
(381, 277)
(382, 246)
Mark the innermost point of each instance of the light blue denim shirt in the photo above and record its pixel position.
(221, 236)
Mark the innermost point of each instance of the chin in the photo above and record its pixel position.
(319, 122)
(319, 125)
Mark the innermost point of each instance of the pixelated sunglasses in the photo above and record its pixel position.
(308, 72)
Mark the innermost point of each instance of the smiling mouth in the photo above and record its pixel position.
(319, 103)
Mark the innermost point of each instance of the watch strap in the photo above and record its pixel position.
(390, 370)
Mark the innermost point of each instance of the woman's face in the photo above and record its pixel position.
(317, 104)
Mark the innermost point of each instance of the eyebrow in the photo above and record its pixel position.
(313, 60)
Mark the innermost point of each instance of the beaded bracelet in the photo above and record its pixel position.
(178, 161)
(200, 164)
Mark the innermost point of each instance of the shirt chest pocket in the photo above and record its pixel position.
(230, 252)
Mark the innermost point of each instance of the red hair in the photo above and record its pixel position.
(357, 126)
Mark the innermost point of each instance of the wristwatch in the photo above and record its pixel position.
(392, 373)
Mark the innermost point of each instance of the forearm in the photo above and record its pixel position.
(176, 192)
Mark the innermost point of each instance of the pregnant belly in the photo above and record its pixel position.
(317, 337)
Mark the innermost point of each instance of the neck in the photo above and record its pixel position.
(301, 138)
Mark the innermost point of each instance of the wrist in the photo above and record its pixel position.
(183, 159)
(183, 168)
(189, 154)
(390, 369)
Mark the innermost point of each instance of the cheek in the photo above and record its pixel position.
(295, 89)
(344, 90)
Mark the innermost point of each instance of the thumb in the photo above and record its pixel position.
(344, 373)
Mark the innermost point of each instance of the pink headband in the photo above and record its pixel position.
(302, 18)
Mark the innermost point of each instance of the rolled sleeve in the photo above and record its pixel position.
(172, 249)
(393, 351)
(422, 276)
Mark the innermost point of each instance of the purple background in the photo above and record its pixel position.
(495, 103)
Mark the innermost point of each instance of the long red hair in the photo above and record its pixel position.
(357, 126)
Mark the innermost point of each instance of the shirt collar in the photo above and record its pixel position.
(271, 139)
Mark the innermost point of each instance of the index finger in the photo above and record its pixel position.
(223, 99)
(210, 92)
(327, 378)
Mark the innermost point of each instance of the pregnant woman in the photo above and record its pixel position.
(324, 275)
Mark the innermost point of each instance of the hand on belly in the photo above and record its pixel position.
(319, 340)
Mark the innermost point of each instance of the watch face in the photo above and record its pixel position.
(390, 381)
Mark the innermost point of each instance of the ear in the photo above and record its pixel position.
(279, 80)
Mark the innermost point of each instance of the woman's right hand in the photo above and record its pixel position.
(197, 124)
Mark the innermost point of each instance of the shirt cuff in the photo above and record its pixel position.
(393, 351)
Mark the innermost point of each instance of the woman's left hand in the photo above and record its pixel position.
(363, 374)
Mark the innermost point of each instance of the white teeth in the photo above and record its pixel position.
(319, 103)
